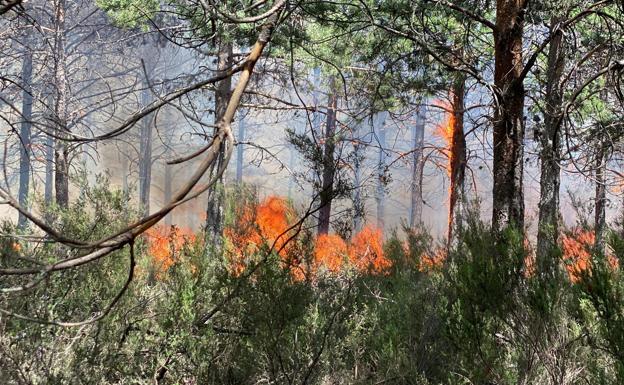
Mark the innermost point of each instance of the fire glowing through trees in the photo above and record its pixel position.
(577, 247)
(445, 130)
(268, 223)
(165, 244)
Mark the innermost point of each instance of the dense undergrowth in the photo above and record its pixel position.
(260, 310)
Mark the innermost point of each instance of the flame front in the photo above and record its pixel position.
(164, 245)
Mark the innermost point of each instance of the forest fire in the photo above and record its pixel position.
(445, 130)
(270, 221)
(433, 261)
(577, 248)
(330, 251)
(452, 131)
(267, 222)
(366, 251)
(164, 245)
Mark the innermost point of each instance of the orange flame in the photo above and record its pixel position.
(576, 252)
(164, 245)
(576, 247)
(267, 223)
(366, 251)
(430, 262)
(445, 129)
(330, 251)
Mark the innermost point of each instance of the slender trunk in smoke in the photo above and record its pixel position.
(240, 151)
(292, 152)
(145, 153)
(550, 154)
(316, 116)
(601, 197)
(418, 140)
(49, 171)
(508, 126)
(328, 165)
(358, 155)
(125, 169)
(61, 153)
(379, 126)
(167, 191)
(216, 194)
(25, 135)
(457, 154)
(167, 188)
(316, 120)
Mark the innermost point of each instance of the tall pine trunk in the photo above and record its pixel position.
(328, 165)
(601, 197)
(145, 153)
(167, 193)
(25, 135)
(61, 152)
(216, 194)
(418, 140)
(49, 171)
(125, 168)
(240, 152)
(380, 196)
(358, 158)
(550, 154)
(457, 152)
(508, 195)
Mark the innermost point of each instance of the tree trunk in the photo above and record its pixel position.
(145, 154)
(358, 204)
(418, 140)
(601, 198)
(25, 136)
(508, 196)
(550, 155)
(216, 194)
(125, 168)
(49, 170)
(457, 161)
(240, 152)
(167, 191)
(61, 153)
(380, 197)
(329, 166)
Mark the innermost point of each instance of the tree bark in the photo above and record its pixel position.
(125, 168)
(49, 171)
(457, 153)
(550, 154)
(508, 196)
(25, 135)
(216, 194)
(167, 194)
(601, 198)
(240, 152)
(380, 196)
(328, 164)
(145, 154)
(418, 140)
(61, 153)
(358, 204)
